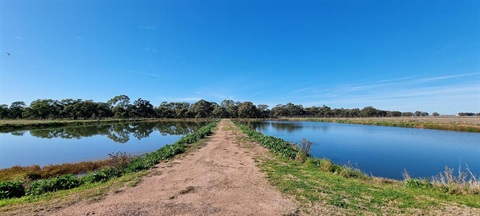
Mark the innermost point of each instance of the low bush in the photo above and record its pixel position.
(11, 189)
(54, 184)
(275, 145)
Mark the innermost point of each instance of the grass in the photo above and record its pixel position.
(344, 190)
(311, 184)
(466, 124)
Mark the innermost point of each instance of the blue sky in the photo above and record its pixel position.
(393, 55)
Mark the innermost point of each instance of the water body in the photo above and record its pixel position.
(91, 142)
(383, 151)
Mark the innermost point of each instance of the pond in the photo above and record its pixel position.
(383, 151)
(89, 142)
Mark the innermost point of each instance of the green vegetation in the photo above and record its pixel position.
(121, 164)
(275, 145)
(321, 182)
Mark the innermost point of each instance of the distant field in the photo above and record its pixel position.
(455, 123)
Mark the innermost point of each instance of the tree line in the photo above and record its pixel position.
(121, 107)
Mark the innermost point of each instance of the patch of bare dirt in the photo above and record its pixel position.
(219, 179)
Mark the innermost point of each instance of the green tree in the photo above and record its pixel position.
(120, 106)
(230, 107)
(263, 111)
(43, 109)
(143, 108)
(247, 110)
(201, 109)
(3, 111)
(16, 109)
(368, 111)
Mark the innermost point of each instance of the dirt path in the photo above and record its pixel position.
(219, 179)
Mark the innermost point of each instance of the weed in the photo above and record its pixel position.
(303, 150)
(462, 183)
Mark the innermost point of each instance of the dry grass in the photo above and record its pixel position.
(464, 182)
(36, 172)
(454, 123)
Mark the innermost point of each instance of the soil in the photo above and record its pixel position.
(220, 178)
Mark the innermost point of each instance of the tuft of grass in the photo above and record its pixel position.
(460, 184)
(303, 150)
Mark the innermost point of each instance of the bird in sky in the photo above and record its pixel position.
(7, 53)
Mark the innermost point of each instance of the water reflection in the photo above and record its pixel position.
(119, 133)
(289, 127)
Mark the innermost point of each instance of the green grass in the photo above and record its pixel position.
(309, 183)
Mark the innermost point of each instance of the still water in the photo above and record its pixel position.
(383, 151)
(92, 142)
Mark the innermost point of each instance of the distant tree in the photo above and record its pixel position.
(201, 109)
(143, 108)
(435, 114)
(181, 109)
(247, 110)
(368, 111)
(294, 110)
(103, 110)
(230, 107)
(219, 112)
(325, 111)
(3, 111)
(407, 114)
(279, 110)
(263, 111)
(16, 109)
(466, 114)
(43, 109)
(121, 106)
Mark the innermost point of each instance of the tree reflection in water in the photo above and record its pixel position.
(119, 132)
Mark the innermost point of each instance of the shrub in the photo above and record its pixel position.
(10, 189)
(54, 184)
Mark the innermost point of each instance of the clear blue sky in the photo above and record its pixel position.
(393, 55)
